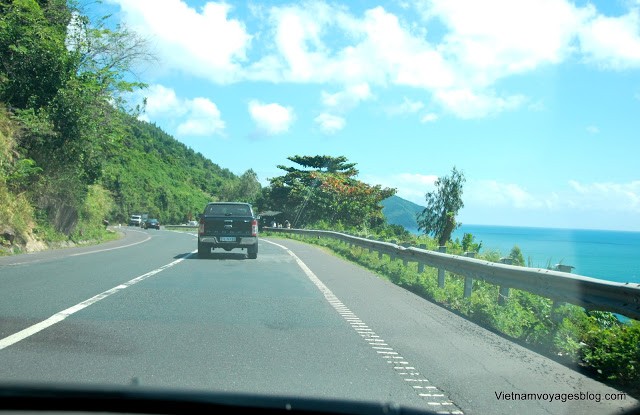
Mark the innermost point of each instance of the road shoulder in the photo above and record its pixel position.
(129, 237)
(480, 371)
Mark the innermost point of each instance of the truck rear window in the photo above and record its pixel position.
(228, 210)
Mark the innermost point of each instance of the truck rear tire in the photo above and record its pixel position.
(204, 250)
(252, 252)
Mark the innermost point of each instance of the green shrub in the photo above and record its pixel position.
(96, 207)
(614, 352)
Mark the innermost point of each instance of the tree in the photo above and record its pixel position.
(516, 256)
(64, 77)
(468, 244)
(35, 62)
(107, 57)
(324, 189)
(244, 189)
(439, 216)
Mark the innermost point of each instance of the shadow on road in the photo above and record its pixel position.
(215, 256)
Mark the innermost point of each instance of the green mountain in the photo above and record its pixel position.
(399, 211)
(151, 172)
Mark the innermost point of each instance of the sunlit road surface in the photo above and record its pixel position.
(146, 311)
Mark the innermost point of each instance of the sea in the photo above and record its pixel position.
(607, 255)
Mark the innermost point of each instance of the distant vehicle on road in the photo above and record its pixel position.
(192, 223)
(135, 220)
(228, 225)
(151, 223)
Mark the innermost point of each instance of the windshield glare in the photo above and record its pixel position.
(428, 203)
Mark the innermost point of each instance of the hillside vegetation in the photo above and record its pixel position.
(72, 152)
(151, 172)
(399, 211)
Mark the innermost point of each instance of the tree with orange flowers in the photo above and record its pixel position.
(324, 188)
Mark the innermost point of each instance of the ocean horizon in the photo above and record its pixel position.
(605, 254)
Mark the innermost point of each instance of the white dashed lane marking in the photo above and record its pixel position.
(434, 397)
(61, 315)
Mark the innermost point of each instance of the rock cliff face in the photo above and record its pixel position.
(10, 243)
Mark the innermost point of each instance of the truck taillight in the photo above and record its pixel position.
(254, 228)
(201, 226)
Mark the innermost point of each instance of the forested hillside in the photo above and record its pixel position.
(151, 172)
(72, 152)
(399, 211)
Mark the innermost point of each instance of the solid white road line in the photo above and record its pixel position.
(111, 249)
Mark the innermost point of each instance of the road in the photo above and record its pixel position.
(296, 321)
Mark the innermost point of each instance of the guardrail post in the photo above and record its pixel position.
(405, 261)
(442, 249)
(503, 293)
(421, 264)
(468, 281)
(563, 268)
(554, 315)
(393, 256)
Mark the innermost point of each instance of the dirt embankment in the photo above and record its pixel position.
(11, 245)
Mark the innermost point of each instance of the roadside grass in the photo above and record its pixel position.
(591, 341)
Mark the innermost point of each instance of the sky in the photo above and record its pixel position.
(536, 101)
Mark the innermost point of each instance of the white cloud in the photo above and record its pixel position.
(407, 106)
(429, 117)
(465, 103)
(613, 42)
(495, 193)
(204, 119)
(606, 196)
(193, 117)
(595, 197)
(341, 102)
(405, 59)
(162, 100)
(322, 43)
(495, 38)
(427, 180)
(330, 124)
(379, 49)
(271, 118)
(206, 43)
(349, 98)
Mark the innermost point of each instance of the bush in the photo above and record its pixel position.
(95, 209)
(614, 352)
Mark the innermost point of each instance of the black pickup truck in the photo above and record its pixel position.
(228, 225)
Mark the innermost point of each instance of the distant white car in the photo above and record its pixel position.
(193, 223)
(135, 220)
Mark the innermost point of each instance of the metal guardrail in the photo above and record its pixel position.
(590, 293)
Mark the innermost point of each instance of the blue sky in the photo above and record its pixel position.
(536, 101)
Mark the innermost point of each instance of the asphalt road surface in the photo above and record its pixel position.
(145, 310)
